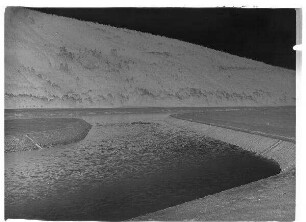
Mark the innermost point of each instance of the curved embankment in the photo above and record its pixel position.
(283, 152)
(39, 133)
(272, 198)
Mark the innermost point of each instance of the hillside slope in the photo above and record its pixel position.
(52, 61)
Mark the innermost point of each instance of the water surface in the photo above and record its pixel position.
(128, 165)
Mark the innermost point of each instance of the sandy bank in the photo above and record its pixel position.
(268, 199)
(39, 133)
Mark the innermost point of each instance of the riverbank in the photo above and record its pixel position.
(272, 122)
(128, 165)
(125, 156)
(268, 199)
(39, 133)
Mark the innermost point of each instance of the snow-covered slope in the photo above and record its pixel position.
(52, 61)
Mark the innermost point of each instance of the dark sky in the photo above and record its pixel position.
(266, 35)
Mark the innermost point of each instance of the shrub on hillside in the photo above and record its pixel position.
(65, 53)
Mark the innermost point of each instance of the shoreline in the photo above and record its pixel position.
(39, 133)
(283, 152)
(272, 198)
(259, 133)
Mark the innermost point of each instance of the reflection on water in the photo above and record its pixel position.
(128, 165)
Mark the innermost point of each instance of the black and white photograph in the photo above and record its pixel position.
(150, 113)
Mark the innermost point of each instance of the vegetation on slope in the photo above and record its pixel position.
(52, 61)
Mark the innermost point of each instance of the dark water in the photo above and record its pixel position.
(128, 165)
